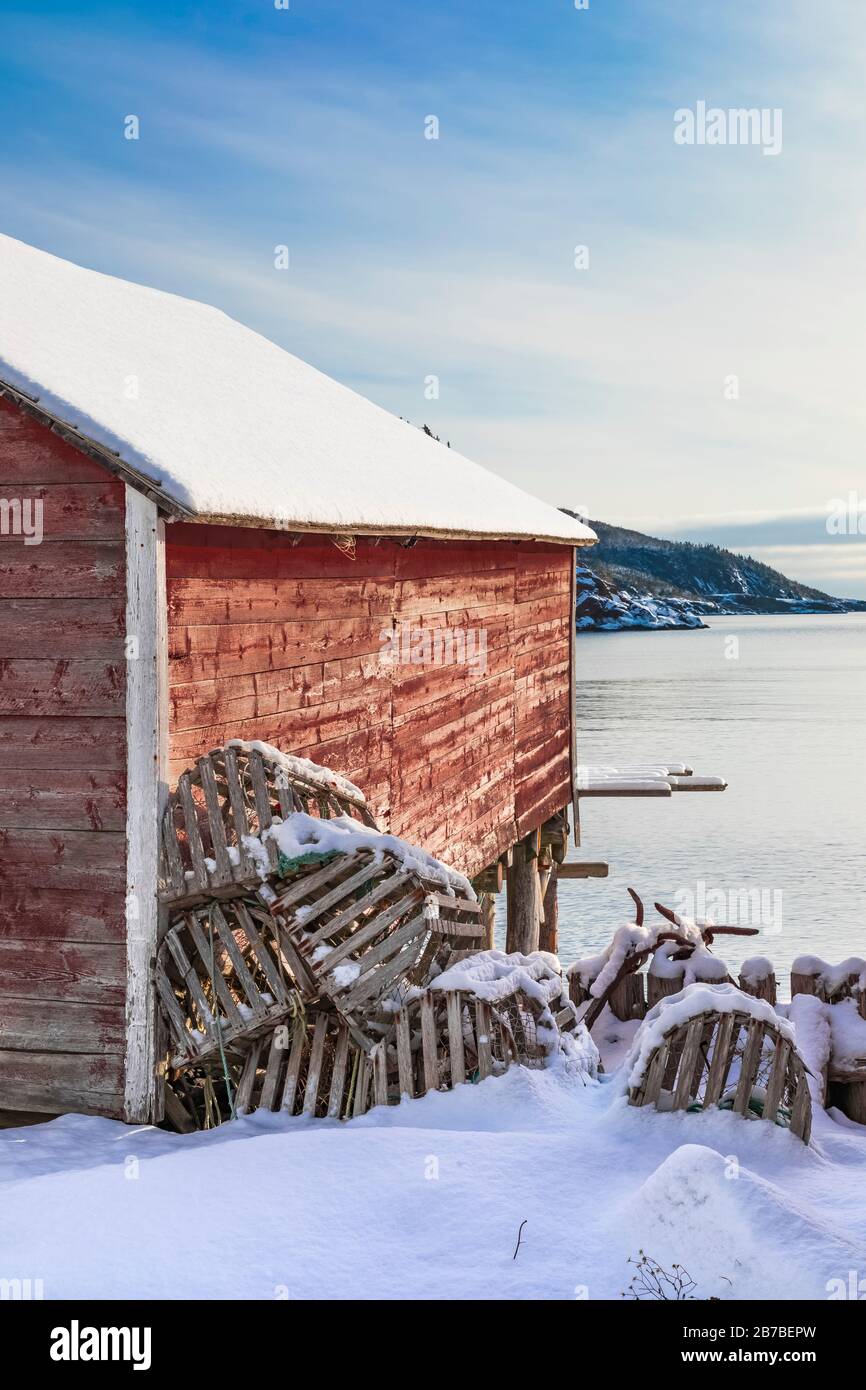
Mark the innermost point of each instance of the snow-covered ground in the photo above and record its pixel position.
(425, 1199)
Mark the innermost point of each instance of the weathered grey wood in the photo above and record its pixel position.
(801, 1112)
(235, 955)
(655, 1073)
(338, 1075)
(404, 1054)
(248, 1078)
(627, 1001)
(171, 855)
(179, 1030)
(380, 1075)
(454, 1006)
(387, 949)
(270, 1085)
(203, 946)
(293, 1068)
(371, 929)
(309, 883)
(260, 951)
(523, 902)
(367, 872)
(362, 1085)
(377, 981)
(482, 1033)
(262, 799)
(192, 982)
(749, 1066)
(238, 810)
(776, 1082)
(190, 821)
(720, 1062)
(688, 1059)
(428, 1043)
(488, 921)
(314, 1072)
(223, 873)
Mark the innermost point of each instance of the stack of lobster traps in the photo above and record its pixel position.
(305, 982)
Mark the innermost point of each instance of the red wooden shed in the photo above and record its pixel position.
(203, 538)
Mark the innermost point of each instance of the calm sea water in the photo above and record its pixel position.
(784, 721)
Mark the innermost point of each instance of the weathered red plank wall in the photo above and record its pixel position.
(62, 780)
(284, 642)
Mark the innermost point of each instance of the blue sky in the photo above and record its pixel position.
(607, 387)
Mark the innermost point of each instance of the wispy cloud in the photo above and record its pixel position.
(609, 387)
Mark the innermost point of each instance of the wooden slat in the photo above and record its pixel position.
(270, 1085)
(801, 1111)
(776, 1082)
(371, 929)
(362, 1085)
(192, 981)
(404, 1054)
(235, 954)
(261, 953)
(238, 810)
(173, 861)
(338, 1075)
(248, 1078)
(203, 946)
(314, 1071)
(655, 1074)
(454, 1006)
(380, 1075)
(720, 1062)
(749, 1066)
(428, 1043)
(482, 1033)
(263, 804)
(358, 879)
(190, 820)
(223, 873)
(378, 981)
(180, 1033)
(293, 1069)
(687, 1063)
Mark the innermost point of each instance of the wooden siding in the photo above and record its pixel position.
(281, 641)
(62, 781)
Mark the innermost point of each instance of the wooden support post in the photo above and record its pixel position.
(523, 897)
(488, 920)
(763, 987)
(549, 934)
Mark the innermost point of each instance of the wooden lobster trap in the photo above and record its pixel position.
(223, 977)
(310, 1064)
(364, 929)
(233, 795)
(733, 1060)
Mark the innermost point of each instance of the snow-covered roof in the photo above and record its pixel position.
(230, 426)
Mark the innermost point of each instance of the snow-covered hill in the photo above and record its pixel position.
(635, 581)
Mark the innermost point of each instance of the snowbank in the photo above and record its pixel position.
(428, 1196)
